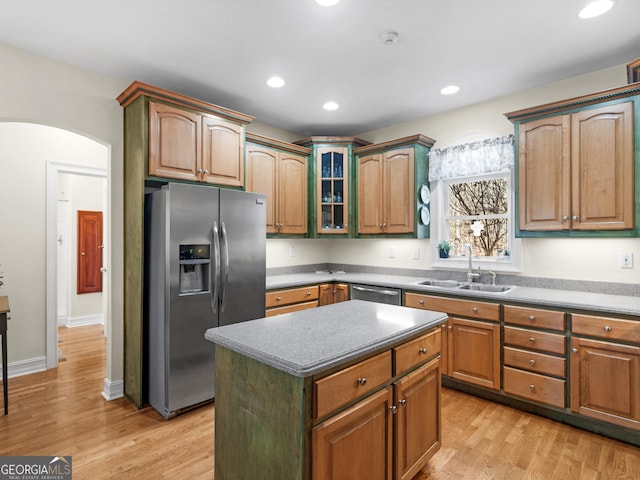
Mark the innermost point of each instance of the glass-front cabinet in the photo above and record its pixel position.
(333, 189)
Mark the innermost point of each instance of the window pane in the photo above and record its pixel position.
(482, 197)
(492, 242)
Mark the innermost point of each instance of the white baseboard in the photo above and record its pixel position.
(62, 320)
(113, 389)
(25, 367)
(85, 320)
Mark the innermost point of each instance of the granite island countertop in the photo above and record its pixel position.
(308, 342)
(550, 297)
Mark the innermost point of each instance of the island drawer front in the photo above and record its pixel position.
(296, 307)
(293, 295)
(535, 317)
(453, 306)
(542, 341)
(532, 386)
(416, 351)
(605, 327)
(353, 382)
(535, 362)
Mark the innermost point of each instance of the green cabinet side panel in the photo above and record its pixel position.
(260, 426)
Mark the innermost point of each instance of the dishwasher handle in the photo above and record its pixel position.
(393, 293)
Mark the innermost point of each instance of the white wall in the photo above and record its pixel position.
(583, 259)
(35, 89)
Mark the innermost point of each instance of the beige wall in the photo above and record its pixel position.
(585, 259)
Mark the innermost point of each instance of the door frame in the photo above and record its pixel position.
(53, 169)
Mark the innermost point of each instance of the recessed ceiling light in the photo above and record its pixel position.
(331, 106)
(388, 38)
(593, 9)
(327, 3)
(275, 82)
(450, 90)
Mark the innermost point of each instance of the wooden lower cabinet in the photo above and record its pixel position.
(333, 293)
(356, 443)
(605, 381)
(291, 300)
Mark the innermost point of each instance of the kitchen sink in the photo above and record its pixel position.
(441, 283)
(485, 287)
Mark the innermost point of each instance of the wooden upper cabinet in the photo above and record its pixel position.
(544, 173)
(174, 142)
(576, 169)
(222, 149)
(281, 176)
(602, 168)
(370, 201)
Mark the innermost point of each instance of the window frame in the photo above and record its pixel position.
(439, 212)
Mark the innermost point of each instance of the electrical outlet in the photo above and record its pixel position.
(626, 260)
(416, 253)
(292, 251)
(391, 253)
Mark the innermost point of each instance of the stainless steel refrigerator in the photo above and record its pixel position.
(204, 267)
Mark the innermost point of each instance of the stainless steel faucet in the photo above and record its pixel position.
(470, 274)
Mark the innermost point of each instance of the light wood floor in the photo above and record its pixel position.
(61, 412)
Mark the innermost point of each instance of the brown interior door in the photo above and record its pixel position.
(89, 252)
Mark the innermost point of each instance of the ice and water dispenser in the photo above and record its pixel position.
(195, 269)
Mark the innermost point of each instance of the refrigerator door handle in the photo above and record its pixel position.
(215, 237)
(225, 266)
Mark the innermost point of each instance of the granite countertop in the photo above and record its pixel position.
(565, 299)
(308, 342)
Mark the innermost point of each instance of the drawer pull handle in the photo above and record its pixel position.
(403, 403)
(423, 351)
(393, 409)
(362, 381)
(607, 328)
(474, 309)
(532, 317)
(532, 362)
(532, 340)
(532, 387)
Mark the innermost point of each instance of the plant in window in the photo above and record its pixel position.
(443, 248)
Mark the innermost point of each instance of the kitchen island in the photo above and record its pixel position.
(350, 390)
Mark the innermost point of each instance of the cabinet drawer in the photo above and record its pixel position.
(292, 295)
(535, 362)
(453, 306)
(534, 387)
(546, 342)
(346, 385)
(604, 327)
(296, 307)
(418, 350)
(534, 317)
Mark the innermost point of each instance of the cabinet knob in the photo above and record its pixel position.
(575, 218)
(403, 402)
(308, 294)
(362, 381)
(565, 218)
(574, 350)
(393, 409)
(278, 299)
(423, 351)
(532, 318)
(607, 328)
(199, 170)
(532, 362)
(532, 387)
(206, 172)
(421, 302)
(474, 309)
(532, 340)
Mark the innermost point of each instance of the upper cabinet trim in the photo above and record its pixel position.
(400, 142)
(275, 143)
(572, 103)
(137, 89)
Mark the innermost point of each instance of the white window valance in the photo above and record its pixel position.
(482, 157)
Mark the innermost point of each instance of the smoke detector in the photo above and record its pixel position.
(389, 38)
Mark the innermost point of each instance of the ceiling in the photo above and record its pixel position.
(223, 51)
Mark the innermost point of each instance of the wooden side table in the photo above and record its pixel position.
(4, 316)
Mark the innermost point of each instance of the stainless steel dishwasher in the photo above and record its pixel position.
(376, 294)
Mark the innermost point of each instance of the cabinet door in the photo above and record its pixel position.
(340, 292)
(174, 142)
(474, 352)
(602, 168)
(357, 443)
(326, 294)
(292, 194)
(261, 178)
(370, 194)
(418, 424)
(399, 195)
(544, 174)
(605, 381)
(222, 160)
(332, 186)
